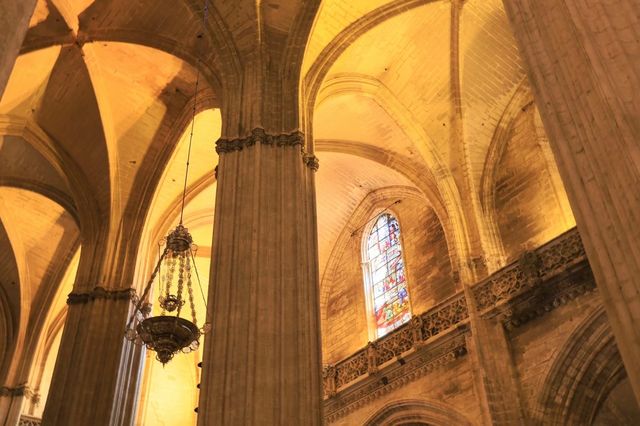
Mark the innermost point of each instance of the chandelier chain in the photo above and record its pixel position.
(142, 298)
(195, 106)
(180, 283)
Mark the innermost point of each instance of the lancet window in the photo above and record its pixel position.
(384, 275)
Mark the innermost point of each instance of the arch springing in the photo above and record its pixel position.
(385, 281)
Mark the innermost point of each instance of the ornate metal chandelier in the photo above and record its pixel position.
(169, 333)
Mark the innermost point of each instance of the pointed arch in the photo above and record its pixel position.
(582, 375)
(417, 411)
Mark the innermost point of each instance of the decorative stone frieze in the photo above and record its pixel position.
(259, 136)
(443, 317)
(394, 375)
(351, 368)
(29, 421)
(546, 297)
(548, 260)
(101, 293)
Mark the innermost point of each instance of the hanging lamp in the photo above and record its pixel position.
(169, 333)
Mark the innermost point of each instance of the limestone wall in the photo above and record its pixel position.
(428, 273)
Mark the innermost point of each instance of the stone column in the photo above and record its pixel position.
(583, 60)
(14, 21)
(11, 401)
(96, 368)
(90, 384)
(493, 369)
(261, 361)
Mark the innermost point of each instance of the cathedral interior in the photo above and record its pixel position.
(406, 212)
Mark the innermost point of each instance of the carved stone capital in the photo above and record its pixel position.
(259, 135)
(311, 161)
(101, 293)
(21, 390)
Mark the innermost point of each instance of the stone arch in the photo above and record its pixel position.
(518, 177)
(33, 307)
(313, 86)
(80, 202)
(435, 178)
(151, 230)
(15, 296)
(173, 210)
(294, 55)
(374, 89)
(365, 209)
(87, 210)
(417, 173)
(45, 190)
(225, 69)
(520, 99)
(320, 67)
(583, 373)
(41, 349)
(342, 279)
(374, 202)
(417, 412)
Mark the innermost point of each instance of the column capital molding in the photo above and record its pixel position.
(259, 135)
(21, 390)
(311, 161)
(101, 293)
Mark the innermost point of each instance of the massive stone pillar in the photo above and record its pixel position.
(493, 368)
(583, 60)
(96, 365)
(262, 359)
(14, 21)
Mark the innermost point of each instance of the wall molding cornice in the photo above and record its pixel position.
(397, 373)
(98, 293)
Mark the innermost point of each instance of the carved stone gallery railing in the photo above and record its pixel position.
(412, 335)
(29, 421)
(539, 281)
(531, 269)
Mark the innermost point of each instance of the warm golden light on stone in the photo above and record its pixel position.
(500, 135)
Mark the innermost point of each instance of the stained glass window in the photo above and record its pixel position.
(386, 279)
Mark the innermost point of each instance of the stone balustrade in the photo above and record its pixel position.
(29, 421)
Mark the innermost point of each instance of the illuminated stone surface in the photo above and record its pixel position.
(458, 109)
